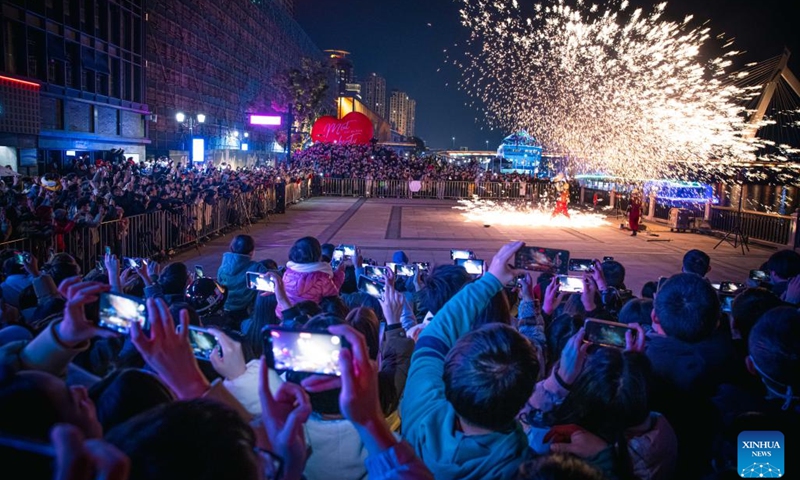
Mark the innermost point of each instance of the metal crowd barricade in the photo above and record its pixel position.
(766, 227)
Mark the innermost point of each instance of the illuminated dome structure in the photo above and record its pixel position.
(522, 152)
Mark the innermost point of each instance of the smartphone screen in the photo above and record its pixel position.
(259, 281)
(376, 273)
(99, 266)
(349, 251)
(203, 342)
(581, 265)
(119, 312)
(730, 287)
(371, 287)
(198, 271)
(303, 351)
(423, 266)
(608, 334)
(570, 284)
(21, 257)
(759, 276)
(461, 254)
(338, 256)
(131, 262)
(538, 259)
(108, 250)
(727, 303)
(472, 266)
(402, 270)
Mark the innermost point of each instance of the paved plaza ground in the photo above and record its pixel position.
(427, 229)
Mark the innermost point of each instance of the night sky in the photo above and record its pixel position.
(404, 40)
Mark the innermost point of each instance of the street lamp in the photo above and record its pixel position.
(454, 143)
(199, 118)
(487, 144)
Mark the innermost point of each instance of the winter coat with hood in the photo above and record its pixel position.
(311, 281)
(232, 275)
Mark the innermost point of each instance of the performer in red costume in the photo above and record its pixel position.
(635, 211)
(563, 196)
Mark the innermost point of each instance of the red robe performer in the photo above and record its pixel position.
(563, 200)
(634, 212)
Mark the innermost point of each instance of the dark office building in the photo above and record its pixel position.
(215, 62)
(73, 81)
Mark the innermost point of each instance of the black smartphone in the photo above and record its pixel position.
(603, 332)
(118, 312)
(423, 266)
(538, 259)
(472, 266)
(403, 270)
(661, 282)
(303, 351)
(759, 276)
(349, 251)
(371, 287)
(99, 266)
(22, 257)
(608, 259)
(198, 271)
(461, 254)
(259, 281)
(581, 265)
(376, 273)
(203, 342)
(570, 284)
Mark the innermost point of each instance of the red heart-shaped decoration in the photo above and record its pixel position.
(354, 128)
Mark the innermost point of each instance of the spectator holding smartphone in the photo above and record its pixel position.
(306, 277)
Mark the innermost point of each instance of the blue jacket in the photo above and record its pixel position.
(429, 421)
(232, 275)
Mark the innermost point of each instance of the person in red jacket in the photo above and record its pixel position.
(635, 211)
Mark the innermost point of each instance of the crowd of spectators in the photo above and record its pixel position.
(445, 375)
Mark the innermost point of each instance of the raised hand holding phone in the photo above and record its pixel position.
(502, 262)
(552, 296)
(75, 328)
(167, 351)
(589, 293)
(635, 339)
(572, 358)
(392, 302)
(227, 358)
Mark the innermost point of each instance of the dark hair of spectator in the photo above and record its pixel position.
(687, 308)
(243, 244)
(697, 262)
(305, 250)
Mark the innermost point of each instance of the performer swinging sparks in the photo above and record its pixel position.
(635, 211)
(563, 196)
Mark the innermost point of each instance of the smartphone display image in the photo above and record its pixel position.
(22, 257)
(608, 259)
(303, 351)
(402, 270)
(119, 312)
(461, 254)
(581, 265)
(472, 266)
(349, 251)
(727, 303)
(108, 250)
(99, 266)
(131, 262)
(603, 332)
(538, 259)
(376, 273)
(730, 288)
(198, 271)
(391, 266)
(371, 287)
(759, 276)
(260, 281)
(570, 284)
(203, 342)
(423, 266)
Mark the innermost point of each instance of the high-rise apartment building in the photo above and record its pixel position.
(343, 68)
(412, 118)
(374, 93)
(402, 113)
